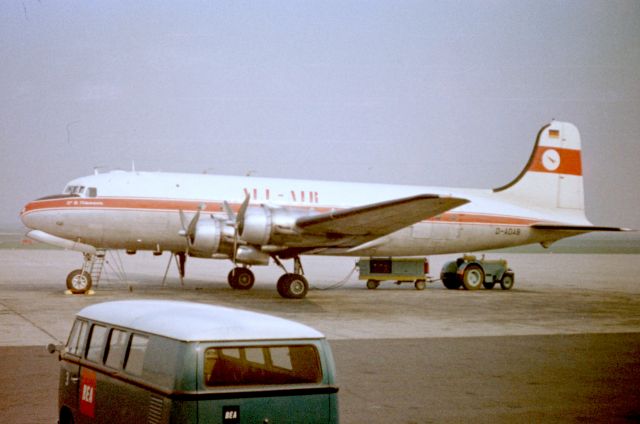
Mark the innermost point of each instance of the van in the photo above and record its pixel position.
(156, 361)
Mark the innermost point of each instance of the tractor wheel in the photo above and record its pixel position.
(451, 281)
(507, 281)
(473, 277)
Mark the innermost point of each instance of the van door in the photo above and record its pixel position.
(88, 383)
(70, 368)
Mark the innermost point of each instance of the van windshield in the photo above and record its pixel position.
(261, 365)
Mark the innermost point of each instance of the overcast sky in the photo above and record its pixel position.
(424, 92)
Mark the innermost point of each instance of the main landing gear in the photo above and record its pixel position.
(241, 278)
(290, 285)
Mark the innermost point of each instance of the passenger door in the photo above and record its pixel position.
(88, 383)
(70, 366)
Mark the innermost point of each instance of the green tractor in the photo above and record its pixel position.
(471, 273)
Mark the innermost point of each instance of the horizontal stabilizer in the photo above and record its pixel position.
(577, 228)
(377, 219)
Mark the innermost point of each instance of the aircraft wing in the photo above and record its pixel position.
(371, 221)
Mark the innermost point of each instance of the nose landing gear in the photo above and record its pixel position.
(79, 281)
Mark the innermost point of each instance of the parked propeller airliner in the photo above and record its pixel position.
(251, 221)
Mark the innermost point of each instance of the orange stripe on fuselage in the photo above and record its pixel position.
(545, 160)
(164, 205)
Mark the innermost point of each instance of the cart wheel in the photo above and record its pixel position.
(420, 284)
(372, 284)
(507, 281)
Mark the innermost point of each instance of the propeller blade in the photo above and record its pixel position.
(238, 223)
(241, 213)
(183, 219)
(229, 211)
(191, 231)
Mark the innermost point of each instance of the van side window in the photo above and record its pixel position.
(262, 365)
(280, 358)
(135, 354)
(96, 343)
(77, 337)
(116, 348)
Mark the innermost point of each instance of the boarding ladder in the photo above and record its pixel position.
(94, 265)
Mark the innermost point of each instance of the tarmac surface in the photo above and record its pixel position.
(562, 346)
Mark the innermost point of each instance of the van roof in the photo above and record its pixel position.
(189, 321)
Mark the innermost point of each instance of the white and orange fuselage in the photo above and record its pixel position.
(140, 211)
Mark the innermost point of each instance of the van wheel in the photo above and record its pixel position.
(292, 286)
(78, 281)
(473, 277)
(66, 417)
(507, 281)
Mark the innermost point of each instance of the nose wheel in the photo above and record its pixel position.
(78, 281)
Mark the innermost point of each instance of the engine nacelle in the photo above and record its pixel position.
(262, 223)
(251, 256)
(208, 238)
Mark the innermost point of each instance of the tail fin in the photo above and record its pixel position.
(552, 179)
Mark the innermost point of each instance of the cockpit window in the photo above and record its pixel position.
(74, 189)
(92, 192)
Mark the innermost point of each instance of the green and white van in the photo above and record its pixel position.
(148, 361)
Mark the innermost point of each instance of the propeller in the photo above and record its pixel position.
(189, 230)
(237, 222)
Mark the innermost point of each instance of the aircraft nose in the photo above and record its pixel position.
(27, 215)
(37, 215)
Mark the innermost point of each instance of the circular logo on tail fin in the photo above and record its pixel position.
(551, 160)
